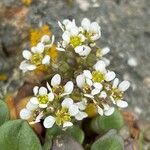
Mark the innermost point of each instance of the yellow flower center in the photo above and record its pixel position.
(43, 99)
(62, 116)
(117, 94)
(58, 90)
(75, 41)
(86, 88)
(98, 76)
(36, 59)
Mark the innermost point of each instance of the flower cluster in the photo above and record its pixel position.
(82, 38)
(67, 99)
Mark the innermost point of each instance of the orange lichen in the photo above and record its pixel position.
(3, 77)
(52, 52)
(27, 2)
(36, 34)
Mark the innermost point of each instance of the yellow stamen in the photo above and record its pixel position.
(62, 116)
(117, 94)
(98, 76)
(36, 59)
(75, 41)
(43, 99)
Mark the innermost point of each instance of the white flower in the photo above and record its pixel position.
(67, 24)
(101, 73)
(37, 55)
(92, 28)
(117, 92)
(74, 108)
(34, 58)
(83, 50)
(56, 83)
(42, 97)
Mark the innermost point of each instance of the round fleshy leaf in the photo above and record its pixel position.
(18, 135)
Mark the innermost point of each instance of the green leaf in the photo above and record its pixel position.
(110, 141)
(18, 135)
(4, 112)
(50, 134)
(76, 133)
(105, 123)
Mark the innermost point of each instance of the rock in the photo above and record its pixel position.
(125, 29)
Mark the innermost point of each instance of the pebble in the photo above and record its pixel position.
(132, 62)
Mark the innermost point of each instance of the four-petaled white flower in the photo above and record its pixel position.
(56, 84)
(37, 55)
(92, 29)
(70, 109)
(118, 91)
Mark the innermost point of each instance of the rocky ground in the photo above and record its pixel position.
(125, 29)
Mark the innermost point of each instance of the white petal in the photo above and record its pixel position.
(96, 36)
(49, 122)
(94, 27)
(122, 104)
(68, 88)
(42, 105)
(110, 76)
(49, 87)
(25, 114)
(74, 31)
(30, 106)
(105, 50)
(40, 47)
(82, 37)
(78, 49)
(67, 102)
(98, 85)
(100, 110)
(50, 96)
(30, 67)
(60, 49)
(60, 25)
(87, 74)
(86, 50)
(106, 61)
(26, 54)
(35, 90)
(110, 111)
(46, 60)
(89, 82)
(103, 94)
(81, 115)
(66, 36)
(89, 96)
(81, 105)
(67, 124)
(45, 39)
(34, 100)
(34, 49)
(115, 83)
(100, 66)
(124, 85)
(73, 110)
(56, 80)
(86, 24)
(23, 65)
(80, 80)
(95, 91)
(42, 91)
